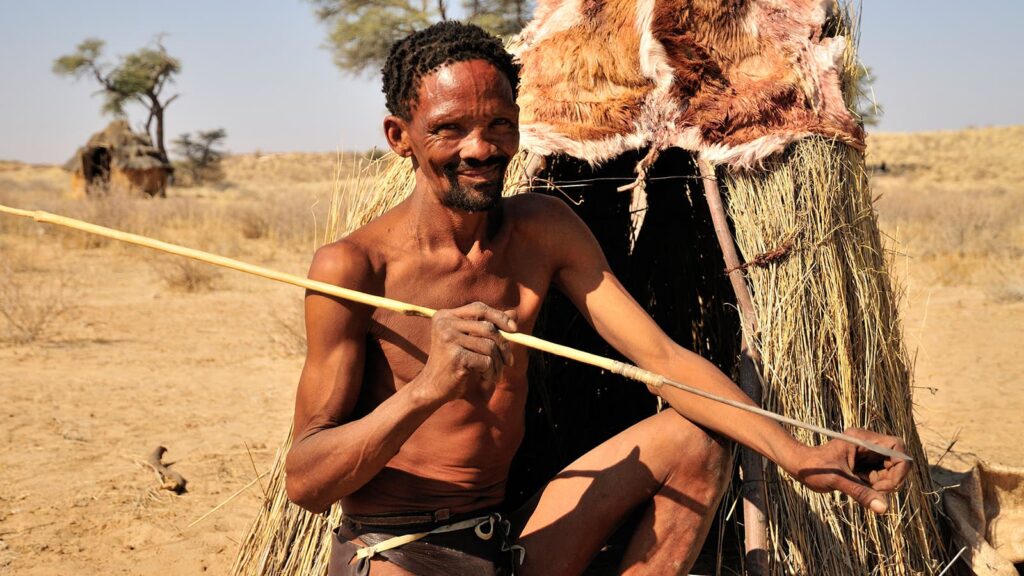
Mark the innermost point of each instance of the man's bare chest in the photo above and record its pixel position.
(401, 344)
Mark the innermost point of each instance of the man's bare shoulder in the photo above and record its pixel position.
(357, 260)
(346, 262)
(538, 212)
(544, 220)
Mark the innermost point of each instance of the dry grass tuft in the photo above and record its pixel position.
(33, 308)
(186, 275)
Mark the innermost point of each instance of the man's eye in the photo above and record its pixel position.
(503, 122)
(447, 130)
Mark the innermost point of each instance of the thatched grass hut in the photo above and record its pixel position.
(117, 160)
(619, 91)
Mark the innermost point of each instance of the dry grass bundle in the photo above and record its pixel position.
(285, 539)
(379, 185)
(832, 349)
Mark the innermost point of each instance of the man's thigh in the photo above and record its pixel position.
(568, 521)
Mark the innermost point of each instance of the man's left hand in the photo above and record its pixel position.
(857, 472)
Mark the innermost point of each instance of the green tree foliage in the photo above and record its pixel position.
(360, 32)
(139, 77)
(869, 110)
(200, 155)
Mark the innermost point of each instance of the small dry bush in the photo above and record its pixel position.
(33, 308)
(954, 200)
(186, 275)
(254, 224)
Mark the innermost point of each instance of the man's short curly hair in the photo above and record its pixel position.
(423, 52)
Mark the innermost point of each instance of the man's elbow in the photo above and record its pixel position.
(301, 492)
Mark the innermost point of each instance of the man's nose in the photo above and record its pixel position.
(478, 146)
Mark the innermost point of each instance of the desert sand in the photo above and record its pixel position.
(145, 352)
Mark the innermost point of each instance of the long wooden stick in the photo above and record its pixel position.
(621, 368)
(755, 518)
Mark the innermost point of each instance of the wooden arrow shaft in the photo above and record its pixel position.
(628, 370)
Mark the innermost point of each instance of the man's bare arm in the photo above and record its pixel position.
(332, 456)
(584, 275)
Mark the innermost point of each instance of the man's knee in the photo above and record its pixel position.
(703, 459)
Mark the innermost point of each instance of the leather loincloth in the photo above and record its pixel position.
(478, 544)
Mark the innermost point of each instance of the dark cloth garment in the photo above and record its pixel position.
(459, 553)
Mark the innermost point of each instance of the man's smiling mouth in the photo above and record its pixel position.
(483, 173)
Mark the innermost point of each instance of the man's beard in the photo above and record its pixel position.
(479, 198)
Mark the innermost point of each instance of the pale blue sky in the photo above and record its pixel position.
(256, 68)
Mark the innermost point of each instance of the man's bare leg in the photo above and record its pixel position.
(665, 463)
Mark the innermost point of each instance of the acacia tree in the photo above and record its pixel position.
(362, 31)
(201, 154)
(139, 77)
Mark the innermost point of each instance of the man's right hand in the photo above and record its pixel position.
(467, 351)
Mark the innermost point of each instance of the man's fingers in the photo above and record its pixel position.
(864, 495)
(890, 478)
(513, 314)
(883, 473)
(479, 349)
(481, 329)
(481, 311)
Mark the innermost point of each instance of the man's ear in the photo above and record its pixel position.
(396, 130)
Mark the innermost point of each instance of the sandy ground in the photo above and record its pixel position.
(968, 375)
(211, 376)
(140, 366)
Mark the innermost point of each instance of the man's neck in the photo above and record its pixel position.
(437, 226)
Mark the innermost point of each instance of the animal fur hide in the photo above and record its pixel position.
(735, 80)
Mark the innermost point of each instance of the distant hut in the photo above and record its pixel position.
(118, 161)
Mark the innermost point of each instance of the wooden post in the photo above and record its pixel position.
(755, 524)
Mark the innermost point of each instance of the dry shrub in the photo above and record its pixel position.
(186, 275)
(290, 221)
(33, 309)
(1007, 293)
(953, 200)
(113, 211)
(17, 259)
(253, 224)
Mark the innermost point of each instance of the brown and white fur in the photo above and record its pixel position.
(734, 80)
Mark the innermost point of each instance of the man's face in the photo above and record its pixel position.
(463, 131)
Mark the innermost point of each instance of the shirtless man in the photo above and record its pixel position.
(412, 423)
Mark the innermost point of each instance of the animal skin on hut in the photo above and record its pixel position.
(733, 80)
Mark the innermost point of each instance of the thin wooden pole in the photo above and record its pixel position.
(628, 370)
(755, 521)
